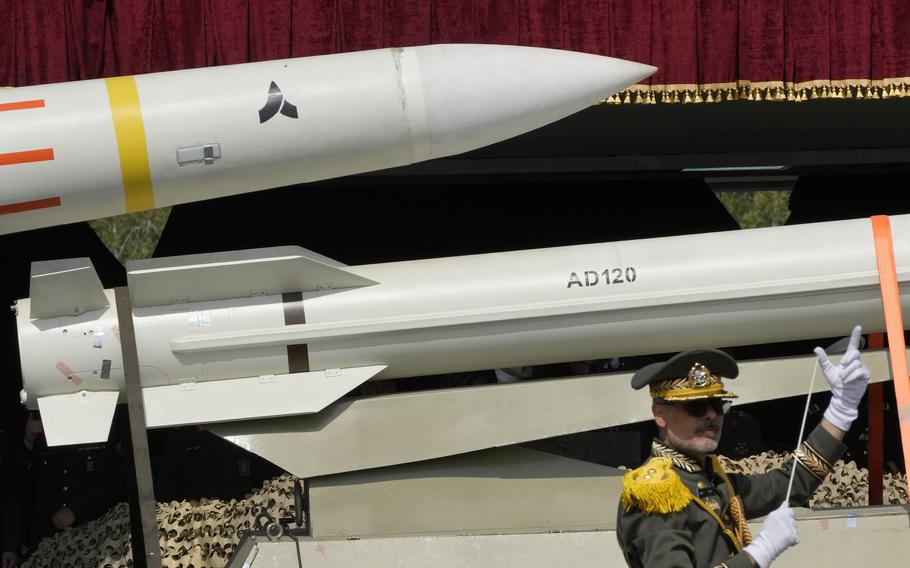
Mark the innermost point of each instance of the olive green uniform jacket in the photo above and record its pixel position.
(702, 533)
(89, 479)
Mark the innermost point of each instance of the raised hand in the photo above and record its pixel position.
(848, 380)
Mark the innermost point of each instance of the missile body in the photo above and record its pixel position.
(282, 331)
(89, 149)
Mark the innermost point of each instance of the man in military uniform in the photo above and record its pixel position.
(681, 509)
(70, 484)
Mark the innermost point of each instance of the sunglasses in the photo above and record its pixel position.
(698, 408)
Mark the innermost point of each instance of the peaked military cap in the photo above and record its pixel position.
(689, 375)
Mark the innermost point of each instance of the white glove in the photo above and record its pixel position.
(778, 533)
(848, 380)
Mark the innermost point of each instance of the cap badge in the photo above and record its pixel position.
(699, 376)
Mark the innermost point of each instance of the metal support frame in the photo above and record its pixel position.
(143, 522)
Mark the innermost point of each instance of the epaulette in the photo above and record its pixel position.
(655, 488)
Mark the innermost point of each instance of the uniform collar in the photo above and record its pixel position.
(679, 459)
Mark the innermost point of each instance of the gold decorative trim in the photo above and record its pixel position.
(680, 460)
(738, 515)
(698, 376)
(731, 536)
(813, 461)
(655, 488)
(698, 383)
(857, 88)
(684, 462)
(736, 507)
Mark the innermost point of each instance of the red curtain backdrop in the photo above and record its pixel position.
(706, 50)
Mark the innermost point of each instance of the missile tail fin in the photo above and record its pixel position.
(79, 418)
(235, 274)
(251, 397)
(67, 287)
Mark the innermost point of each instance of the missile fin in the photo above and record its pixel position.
(235, 274)
(79, 418)
(251, 397)
(67, 287)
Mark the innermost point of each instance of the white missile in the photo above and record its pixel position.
(284, 331)
(89, 149)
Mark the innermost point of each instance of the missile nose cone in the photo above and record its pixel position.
(639, 70)
(475, 95)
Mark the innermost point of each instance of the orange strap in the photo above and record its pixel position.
(894, 326)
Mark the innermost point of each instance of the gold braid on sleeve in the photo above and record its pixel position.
(813, 461)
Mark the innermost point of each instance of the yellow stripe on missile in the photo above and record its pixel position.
(130, 132)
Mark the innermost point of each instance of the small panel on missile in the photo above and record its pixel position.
(67, 287)
(206, 154)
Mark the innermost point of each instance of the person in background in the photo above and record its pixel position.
(69, 484)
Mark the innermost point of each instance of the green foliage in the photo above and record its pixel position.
(753, 209)
(134, 235)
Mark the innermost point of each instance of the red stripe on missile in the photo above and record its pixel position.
(29, 205)
(42, 155)
(22, 105)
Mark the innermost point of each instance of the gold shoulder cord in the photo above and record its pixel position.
(741, 528)
(731, 536)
